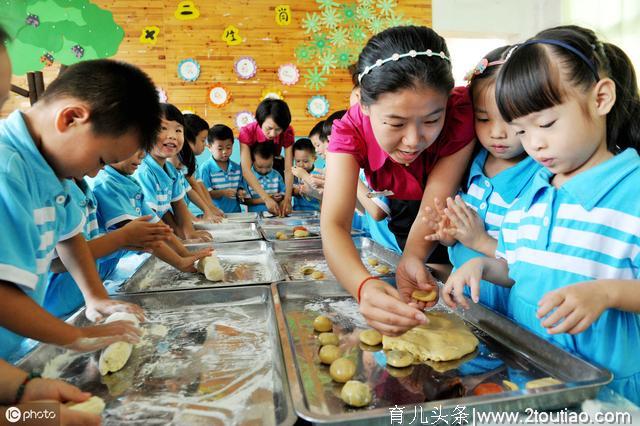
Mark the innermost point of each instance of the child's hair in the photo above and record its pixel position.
(304, 144)
(531, 81)
(377, 72)
(277, 109)
(171, 113)
(219, 132)
(121, 97)
(487, 69)
(327, 125)
(193, 124)
(263, 150)
(187, 157)
(317, 129)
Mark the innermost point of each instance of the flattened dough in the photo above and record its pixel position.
(444, 338)
(211, 268)
(371, 337)
(93, 405)
(116, 355)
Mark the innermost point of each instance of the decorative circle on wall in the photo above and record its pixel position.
(288, 74)
(243, 118)
(318, 106)
(245, 67)
(162, 94)
(219, 96)
(189, 69)
(271, 93)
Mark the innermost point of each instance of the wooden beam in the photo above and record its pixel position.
(39, 84)
(31, 81)
(20, 91)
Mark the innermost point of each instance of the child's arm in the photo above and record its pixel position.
(249, 177)
(184, 223)
(470, 274)
(227, 193)
(368, 204)
(253, 201)
(204, 194)
(468, 228)
(286, 206)
(185, 261)
(205, 207)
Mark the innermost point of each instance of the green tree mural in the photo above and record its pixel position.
(57, 31)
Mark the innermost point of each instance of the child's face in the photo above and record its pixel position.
(170, 139)
(5, 75)
(263, 165)
(407, 122)
(130, 165)
(221, 150)
(270, 129)
(319, 145)
(495, 135)
(198, 146)
(304, 159)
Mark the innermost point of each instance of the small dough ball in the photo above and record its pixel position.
(540, 383)
(329, 353)
(372, 261)
(93, 405)
(307, 270)
(322, 323)
(399, 359)
(328, 339)
(371, 337)
(424, 296)
(382, 269)
(342, 369)
(356, 394)
(510, 385)
(281, 236)
(399, 373)
(317, 275)
(300, 233)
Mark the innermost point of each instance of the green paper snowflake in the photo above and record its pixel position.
(349, 13)
(345, 58)
(330, 18)
(358, 34)
(386, 6)
(365, 3)
(304, 53)
(311, 23)
(321, 42)
(328, 61)
(376, 25)
(326, 4)
(365, 13)
(315, 79)
(395, 20)
(340, 37)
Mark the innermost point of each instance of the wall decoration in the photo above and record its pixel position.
(271, 93)
(219, 96)
(189, 110)
(47, 59)
(311, 23)
(33, 20)
(189, 69)
(288, 74)
(78, 51)
(328, 61)
(245, 67)
(315, 79)
(186, 11)
(231, 35)
(162, 94)
(318, 106)
(283, 14)
(243, 118)
(149, 35)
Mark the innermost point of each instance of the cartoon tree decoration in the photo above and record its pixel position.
(330, 18)
(328, 61)
(386, 6)
(311, 23)
(340, 37)
(69, 31)
(315, 79)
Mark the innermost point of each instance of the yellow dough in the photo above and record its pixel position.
(307, 270)
(382, 269)
(371, 337)
(356, 394)
(372, 261)
(540, 383)
(329, 353)
(328, 339)
(424, 296)
(93, 405)
(399, 373)
(211, 268)
(399, 359)
(281, 236)
(444, 338)
(322, 323)
(300, 233)
(114, 357)
(510, 385)
(317, 275)
(342, 369)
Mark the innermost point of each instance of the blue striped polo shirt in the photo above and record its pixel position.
(271, 182)
(215, 178)
(305, 202)
(161, 185)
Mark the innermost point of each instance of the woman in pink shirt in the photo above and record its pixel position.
(412, 133)
(273, 120)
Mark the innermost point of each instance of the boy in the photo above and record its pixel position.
(271, 180)
(96, 112)
(221, 176)
(306, 197)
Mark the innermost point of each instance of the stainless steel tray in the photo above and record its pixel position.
(290, 221)
(506, 351)
(230, 232)
(242, 217)
(295, 213)
(206, 356)
(244, 263)
(269, 232)
(294, 255)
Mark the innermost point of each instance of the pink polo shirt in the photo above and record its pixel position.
(353, 135)
(252, 134)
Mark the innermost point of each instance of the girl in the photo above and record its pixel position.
(408, 125)
(499, 173)
(569, 246)
(273, 120)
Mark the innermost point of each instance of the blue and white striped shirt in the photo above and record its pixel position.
(305, 202)
(272, 183)
(84, 197)
(161, 186)
(215, 178)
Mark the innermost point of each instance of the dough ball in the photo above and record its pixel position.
(399, 359)
(322, 323)
(281, 236)
(317, 275)
(399, 373)
(510, 385)
(211, 268)
(372, 261)
(329, 353)
(541, 383)
(300, 232)
(356, 394)
(382, 269)
(328, 339)
(342, 369)
(425, 296)
(307, 270)
(371, 337)
(93, 405)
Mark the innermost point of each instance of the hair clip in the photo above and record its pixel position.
(481, 67)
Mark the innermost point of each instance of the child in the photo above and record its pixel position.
(160, 181)
(94, 113)
(314, 136)
(304, 155)
(269, 179)
(412, 134)
(272, 124)
(499, 173)
(222, 177)
(569, 246)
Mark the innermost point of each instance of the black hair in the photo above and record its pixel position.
(171, 113)
(304, 144)
(317, 129)
(4, 36)
(327, 125)
(405, 73)
(121, 97)
(262, 150)
(490, 73)
(193, 125)
(352, 70)
(219, 132)
(531, 80)
(277, 109)
(188, 158)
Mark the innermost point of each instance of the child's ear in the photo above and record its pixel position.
(605, 96)
(71, 116)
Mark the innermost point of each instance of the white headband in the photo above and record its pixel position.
(396, 56)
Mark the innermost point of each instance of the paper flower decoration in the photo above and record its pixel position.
(189, 69)
(271, 93)
(318, 106)
(243, 118)
(162, 94)
(315, 78)
(219, 96)
(245, 67)
(288, 74)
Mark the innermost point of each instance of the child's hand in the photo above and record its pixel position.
(187, 263)
(277, 197)
(242, 194)
(439, 222)
(229, 193)
(100, 336)
(210, 218)
(142, 234)
(200, 235)
(98, 309)
(57, 390)
(578, 306)
(285, 206)
(469, 274)
(298, 172)
(316, 181)
(468, 227)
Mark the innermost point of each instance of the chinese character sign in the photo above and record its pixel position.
(231, 35)
(283, 14)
